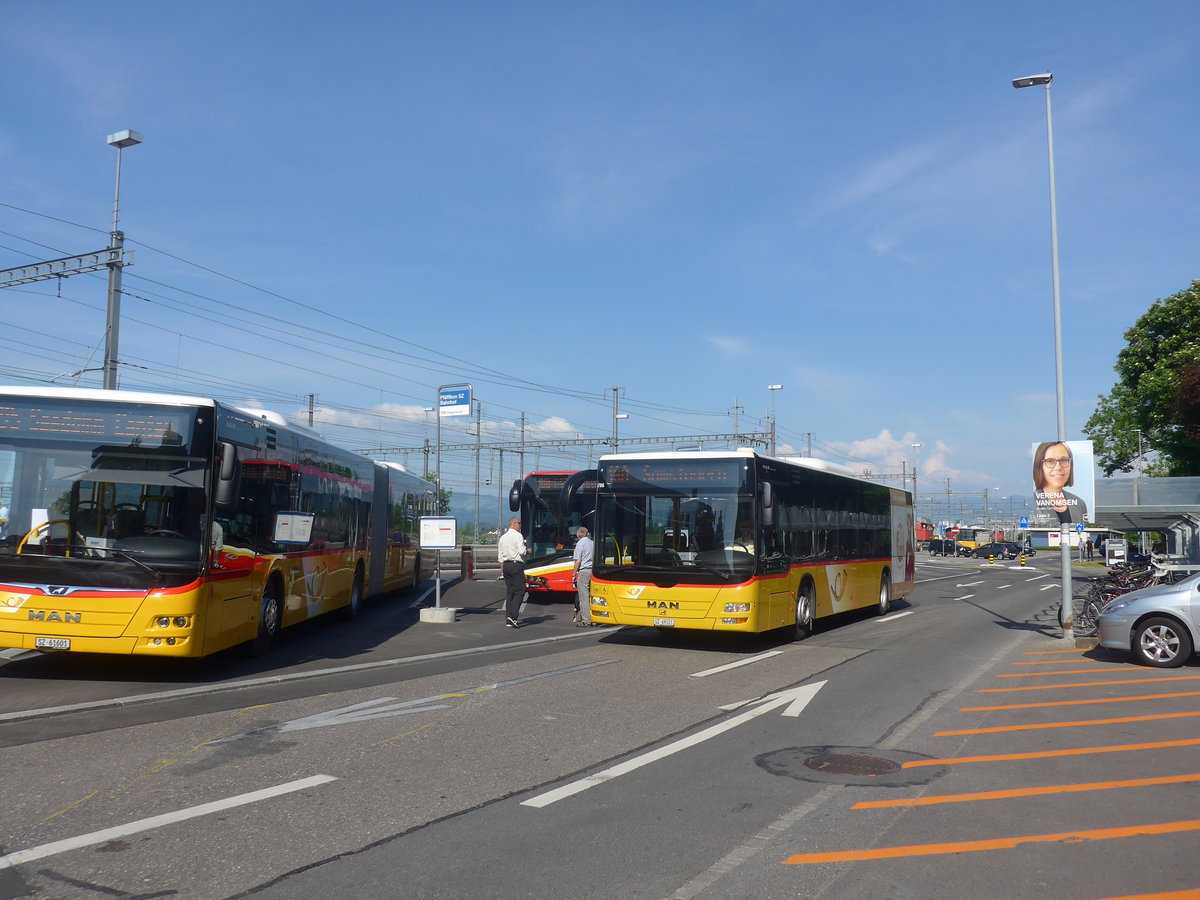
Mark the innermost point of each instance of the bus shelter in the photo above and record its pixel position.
(1170, 506)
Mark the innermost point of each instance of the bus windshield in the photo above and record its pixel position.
(691, 520)
(118, 489)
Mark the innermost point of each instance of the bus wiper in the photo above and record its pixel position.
(707, 568)
(149, 570)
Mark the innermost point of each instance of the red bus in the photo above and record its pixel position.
(549, 519)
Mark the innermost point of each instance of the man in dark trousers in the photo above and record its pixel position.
(511, 551)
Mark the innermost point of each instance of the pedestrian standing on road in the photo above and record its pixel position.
(583, 578)
(511, 551)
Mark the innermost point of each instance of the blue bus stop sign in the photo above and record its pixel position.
(1024, 522)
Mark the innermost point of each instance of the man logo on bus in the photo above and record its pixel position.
(662, 604)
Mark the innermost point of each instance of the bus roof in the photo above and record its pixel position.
(70, 393)
(807, 462)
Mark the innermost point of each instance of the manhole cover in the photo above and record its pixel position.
(851, 764)
(863, 766)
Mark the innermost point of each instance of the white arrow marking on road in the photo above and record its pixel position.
(795, 700)
(371, 709)
(361, 712)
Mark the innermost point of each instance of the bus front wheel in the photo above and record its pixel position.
(806, 602)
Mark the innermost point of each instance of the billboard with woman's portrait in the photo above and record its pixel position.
(1064, 484)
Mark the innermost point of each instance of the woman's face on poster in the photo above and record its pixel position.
(1056, 468)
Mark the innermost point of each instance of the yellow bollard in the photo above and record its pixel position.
(1022, 559)
(991, 559)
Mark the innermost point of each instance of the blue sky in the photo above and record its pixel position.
(688, 200)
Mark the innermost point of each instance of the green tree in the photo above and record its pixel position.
(444, 495)
(1158, 392)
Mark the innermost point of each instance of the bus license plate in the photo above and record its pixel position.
(52, 643)
(664, 623)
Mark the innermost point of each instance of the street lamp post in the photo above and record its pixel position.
(1068, 613)
(616, 416)
(773, 388)
(116, 247)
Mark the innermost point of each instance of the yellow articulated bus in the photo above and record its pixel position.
(739, 542)
(179, 526)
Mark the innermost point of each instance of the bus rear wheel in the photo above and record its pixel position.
(351, 610)
(270, 618)
(806, 604)
(885, 594)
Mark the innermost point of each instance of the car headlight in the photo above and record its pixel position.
(1116, 606)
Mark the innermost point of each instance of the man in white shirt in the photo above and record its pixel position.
(583, 577)
(511, 551)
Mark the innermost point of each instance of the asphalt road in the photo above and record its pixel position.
(954, 748)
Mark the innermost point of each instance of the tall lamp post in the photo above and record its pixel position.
(1068, 613)
(116, 246)
(617, 416)
(773, 388)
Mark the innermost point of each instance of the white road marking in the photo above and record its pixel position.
(893, 616)
(180, 815)
(795, 700)
(371, 709)
(735, 665)
(21, 715)
(969, 584)
(965, 597)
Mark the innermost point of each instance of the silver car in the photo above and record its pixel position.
(1159, 626)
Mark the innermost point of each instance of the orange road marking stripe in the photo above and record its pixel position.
(1014, 793)
(1077, 652)
(1045, 754)
(1001, 728)
(1187, 894)
(1138, 698)
(1007, 843)
(1052, 687)
(1090, 671)
(1038, 662)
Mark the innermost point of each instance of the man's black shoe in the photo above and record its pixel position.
(511, 622)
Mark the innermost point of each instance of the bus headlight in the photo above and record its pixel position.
(599, 601)
(737, 607)
(181, 622)
(164, 622)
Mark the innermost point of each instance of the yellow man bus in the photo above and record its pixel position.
(179, 526)
(739, 542)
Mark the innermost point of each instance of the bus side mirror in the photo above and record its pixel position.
(514, 496)
(583, 482)
(229, 479)
(767, 504)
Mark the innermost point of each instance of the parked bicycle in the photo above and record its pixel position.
(1088, 606)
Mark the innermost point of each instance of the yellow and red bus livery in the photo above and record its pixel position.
(734, 541)
(180, 526)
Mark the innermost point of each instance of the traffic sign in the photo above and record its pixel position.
(454, 400)
(953, 532)
(1080, 527)
(1024, 522)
